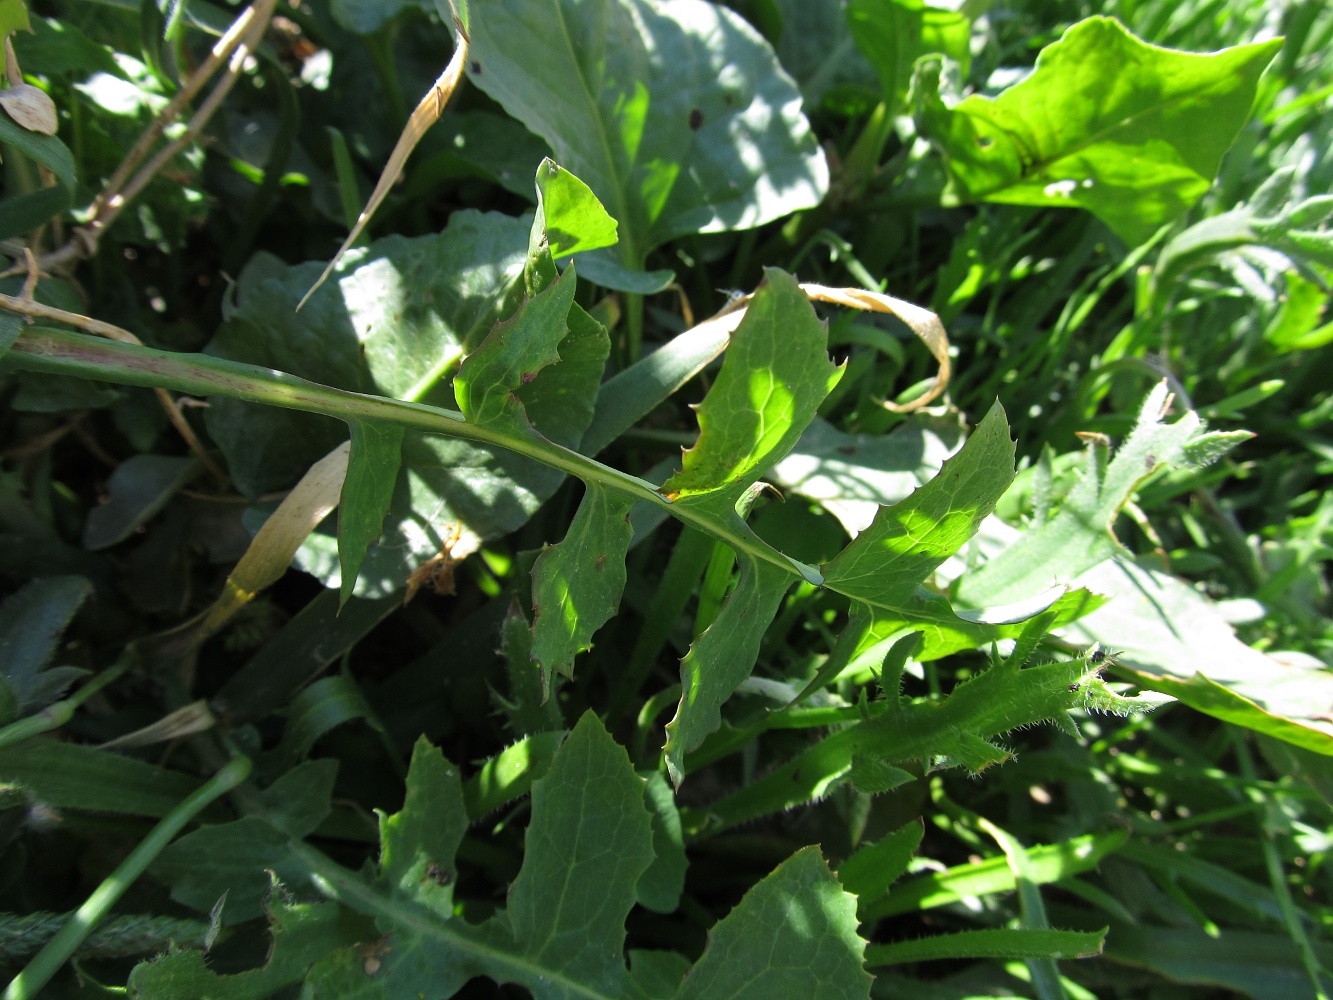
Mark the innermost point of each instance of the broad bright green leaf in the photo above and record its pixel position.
(722, 657)
(893, 34)
(372, 468)
(774, 375)
(676, 115)
(853, 475)
(792, 935)
(576, 585)
(885, 564)
(1132, 132)
(511, 356)
(574, 219)
(883, 569)
(13, 17)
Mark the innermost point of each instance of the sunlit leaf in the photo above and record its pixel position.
(1132, 132)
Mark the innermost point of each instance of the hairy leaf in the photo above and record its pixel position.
(1079, 535)
(954, 732)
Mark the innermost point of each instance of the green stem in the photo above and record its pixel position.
(61, 352)
(47, 962)
(56, 715)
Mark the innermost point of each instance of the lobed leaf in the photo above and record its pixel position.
(1079, 535)
(722, 657)
(576, 584)
(31, 623)
(774, 375)
(794, 934)
(511, 356)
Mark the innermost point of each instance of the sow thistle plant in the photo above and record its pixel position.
(465, 373)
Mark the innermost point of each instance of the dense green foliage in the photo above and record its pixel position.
(478, 624)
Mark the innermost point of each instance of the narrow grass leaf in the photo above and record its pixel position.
(999, 944)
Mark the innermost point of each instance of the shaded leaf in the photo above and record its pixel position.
(139, 488)
(792, 935)
(722, 657)
(873, 868)
(677, 116)
(893, 34)
(31, 623)
(20, 213)
(372, 468)
(301, 934)
(72, 776)
(660, 886)
(576, 584)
